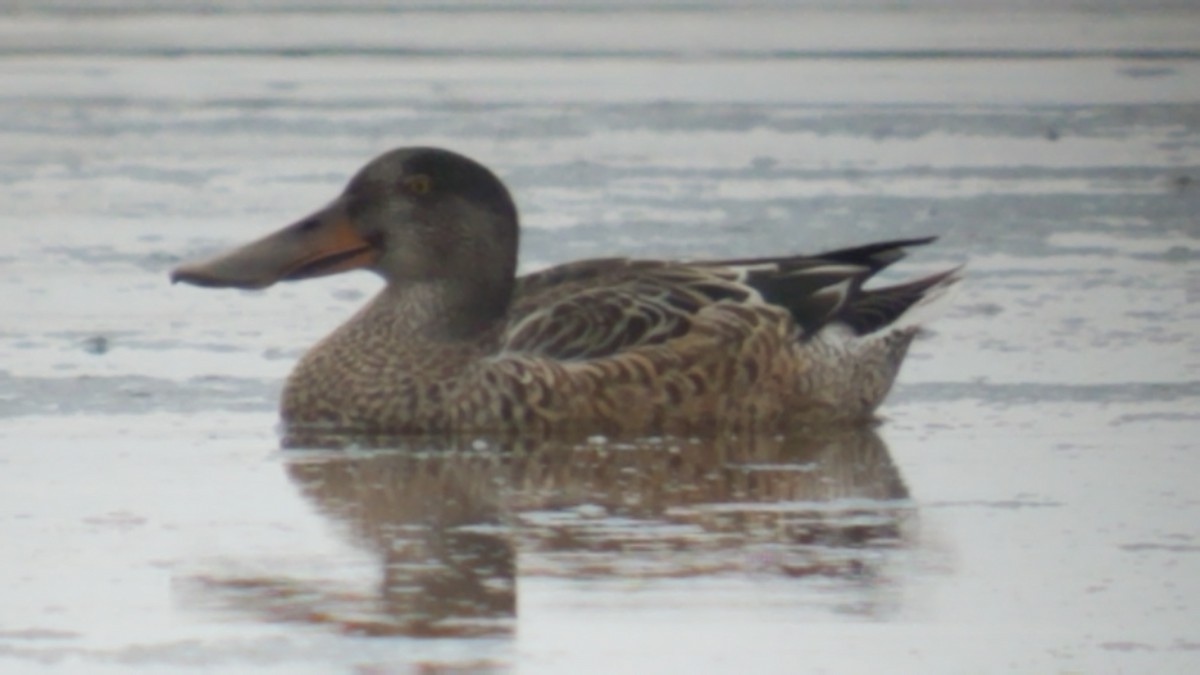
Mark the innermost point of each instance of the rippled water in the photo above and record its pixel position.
(1027, 506)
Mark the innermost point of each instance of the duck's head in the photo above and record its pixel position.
(410, 215)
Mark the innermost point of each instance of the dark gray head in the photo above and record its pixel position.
(412, 215)
(434, 214)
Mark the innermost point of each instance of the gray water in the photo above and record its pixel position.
(1027, 506)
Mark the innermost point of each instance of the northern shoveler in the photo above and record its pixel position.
(457, 343)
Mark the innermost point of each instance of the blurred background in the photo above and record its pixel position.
(1026, 506)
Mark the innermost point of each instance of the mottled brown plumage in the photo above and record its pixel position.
(455, 343)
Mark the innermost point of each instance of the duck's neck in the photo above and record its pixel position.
(437, 311)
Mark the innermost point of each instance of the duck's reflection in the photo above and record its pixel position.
(447, 525)
(436, 523)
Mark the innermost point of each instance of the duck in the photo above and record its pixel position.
(457, 343)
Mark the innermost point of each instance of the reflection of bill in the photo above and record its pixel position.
(447, 525)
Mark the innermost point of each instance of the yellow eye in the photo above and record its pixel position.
(418, 184)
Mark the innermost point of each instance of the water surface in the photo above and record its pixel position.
(1027, 506)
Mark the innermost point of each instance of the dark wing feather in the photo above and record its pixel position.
(821, 289)
(875, 256)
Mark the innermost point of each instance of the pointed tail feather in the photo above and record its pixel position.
(876, 256)
(900, 306)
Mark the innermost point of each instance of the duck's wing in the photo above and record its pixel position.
(598, 308)
(824, 289)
